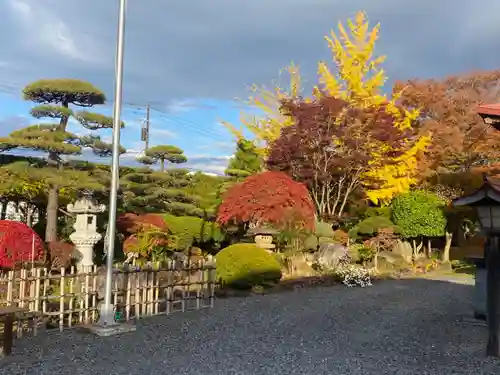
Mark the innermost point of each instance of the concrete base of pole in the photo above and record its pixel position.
(107, 325)
(111, 330)
(106, 315)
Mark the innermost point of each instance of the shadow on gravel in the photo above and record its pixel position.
(410, 326)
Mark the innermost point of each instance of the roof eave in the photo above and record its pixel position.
(475, 198)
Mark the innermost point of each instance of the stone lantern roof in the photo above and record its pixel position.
(488, 193)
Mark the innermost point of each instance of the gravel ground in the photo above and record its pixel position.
(395, 327)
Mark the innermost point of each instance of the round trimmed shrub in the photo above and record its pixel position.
(245, 265)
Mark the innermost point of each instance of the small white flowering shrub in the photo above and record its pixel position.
(352, 275)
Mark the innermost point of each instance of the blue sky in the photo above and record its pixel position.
(193, 125)
(190, 59)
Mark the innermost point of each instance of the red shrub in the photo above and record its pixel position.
(132, 223)
(60, 253)
(16, 244)
(268, 197)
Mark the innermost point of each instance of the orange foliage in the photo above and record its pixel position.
(132, 223)
(448, 109)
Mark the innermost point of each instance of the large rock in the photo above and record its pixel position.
(391, 261)
(330, 255)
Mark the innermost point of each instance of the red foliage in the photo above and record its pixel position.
(60, 253)
(16, 244)
(330, 145)
(132, 223)
(267, 197)
(130, 244)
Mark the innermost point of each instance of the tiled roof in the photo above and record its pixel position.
(489, 109)
(490, 190)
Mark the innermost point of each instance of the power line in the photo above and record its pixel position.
(13, 89)
(196, 127)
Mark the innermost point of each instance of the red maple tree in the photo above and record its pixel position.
(267, 198)
(18, 243)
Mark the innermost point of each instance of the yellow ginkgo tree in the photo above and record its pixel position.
(357, 79)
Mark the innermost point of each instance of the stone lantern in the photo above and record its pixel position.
(85, 235)
(486, 200)
(263, 237)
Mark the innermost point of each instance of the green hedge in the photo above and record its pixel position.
(419, 214)
(189, 229)
(243, 266)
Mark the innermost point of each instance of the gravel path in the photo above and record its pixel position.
(395, 327)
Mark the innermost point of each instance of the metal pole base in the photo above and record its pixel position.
(106, 315)
(107, 326)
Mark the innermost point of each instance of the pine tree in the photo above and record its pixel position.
(246, 160)
(54, 98)
(162, 153)
(146, 190)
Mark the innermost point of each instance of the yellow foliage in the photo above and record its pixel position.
(267, 127)
(359, 81)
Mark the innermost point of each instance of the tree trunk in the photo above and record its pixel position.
(3, 213)
(429, 248)
(52, 211)
(53, 195)
(30, 211)
(493, 297)
(447, 247)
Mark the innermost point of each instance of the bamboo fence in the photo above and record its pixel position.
(66, 298)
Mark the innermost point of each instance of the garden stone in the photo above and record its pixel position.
(330, 255)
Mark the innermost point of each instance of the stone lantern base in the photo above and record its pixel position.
(479, 294)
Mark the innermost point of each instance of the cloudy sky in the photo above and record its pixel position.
(191, 58)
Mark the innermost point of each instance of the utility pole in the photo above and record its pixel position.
(145, 128)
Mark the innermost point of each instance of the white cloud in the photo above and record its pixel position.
(217, 145)
(179, 106)
(45, 30)
(162, 132)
